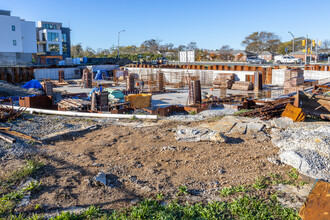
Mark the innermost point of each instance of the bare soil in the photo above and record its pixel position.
(143, 162)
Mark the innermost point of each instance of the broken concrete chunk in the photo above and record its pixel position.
(219, 137)
(254, 127)
(281, 123)
(101, 178)
(186, 134)
(239, 128)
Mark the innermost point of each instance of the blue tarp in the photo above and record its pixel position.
(34, 84)
(98, 75)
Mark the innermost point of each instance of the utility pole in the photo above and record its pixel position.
(306, 49)
(118, 42)
(311, 51)
(292, 41)
(316, 50)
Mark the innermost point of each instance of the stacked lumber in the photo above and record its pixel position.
(270, 110)
(241, 85)
(74, 105)
(293, 78)
(224, 80)
(7, 113)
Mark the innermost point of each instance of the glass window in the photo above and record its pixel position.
(13, 28)
(63, 37)
(14, 42)
(52, 37)
(54, 48)
(65, 48)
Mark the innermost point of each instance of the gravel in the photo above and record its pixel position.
(39, 126)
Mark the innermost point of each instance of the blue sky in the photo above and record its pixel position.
(210, 23)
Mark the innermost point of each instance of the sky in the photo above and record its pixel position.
(210, 23)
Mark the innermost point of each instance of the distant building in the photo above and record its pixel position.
(18, 40)
(53, 39)
(242, 55)
(267, 55)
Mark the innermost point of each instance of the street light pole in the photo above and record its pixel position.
(118, 41)
(292, 41)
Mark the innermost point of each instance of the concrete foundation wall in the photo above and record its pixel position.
(207, 76)
(278, 75)
(69, 73)
(175, 75)
(11, 58)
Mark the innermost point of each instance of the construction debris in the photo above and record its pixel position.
(74, 105)
(7, 138)
(295, 113)
(241, 85)
(7, 130)
(270, 110)
(7, 113)
(317, 204)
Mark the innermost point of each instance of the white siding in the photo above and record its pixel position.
(7, 36)
(29, 37)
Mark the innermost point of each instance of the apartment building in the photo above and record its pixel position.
(53, 40)
(18, 40)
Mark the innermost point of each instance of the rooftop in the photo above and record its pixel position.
(5, 12)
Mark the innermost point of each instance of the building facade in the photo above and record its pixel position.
(53, 39)
(267, 55)
(18, 40)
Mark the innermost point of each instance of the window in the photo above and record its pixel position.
(65, 48)
(52, 37)
(14, 42)
(54, 48)
(63, 37)
(13, 28)
(49, 26)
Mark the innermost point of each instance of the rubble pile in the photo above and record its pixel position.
(270, 110)
(7, 113)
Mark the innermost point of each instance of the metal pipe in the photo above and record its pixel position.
(292, 41)
(83, 114)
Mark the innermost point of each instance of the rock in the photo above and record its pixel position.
(239, 128)
(274, 160)
(224, 125)
(308, 163)
(281, 123)
(101, 178)
(306, 147)
(254, 127)
(219, 137)
(187, 134)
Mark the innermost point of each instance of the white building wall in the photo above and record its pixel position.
(29, 38)
(7, 36)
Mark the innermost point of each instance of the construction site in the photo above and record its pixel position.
(113, 136)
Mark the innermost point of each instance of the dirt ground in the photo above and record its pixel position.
(141, 163)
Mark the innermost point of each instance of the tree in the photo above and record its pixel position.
(261, 41)
(181, 47)
(89, 52)
(77, 50)
(225, 53)
(325, 45)
(297, 45)
(192, 45)
(151, 45)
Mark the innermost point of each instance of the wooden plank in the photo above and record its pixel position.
(7, 138)
(18, 134)
(317, 204)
